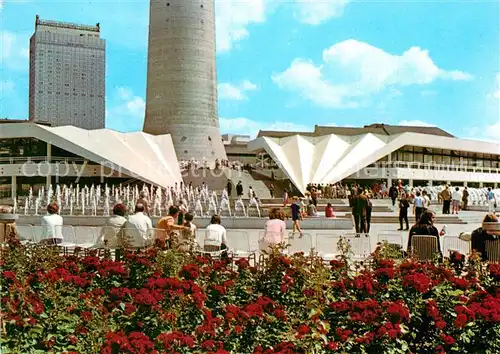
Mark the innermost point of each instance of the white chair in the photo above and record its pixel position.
(332, 241)
(135, 238)
(300, 243)
(360, 246)
(454, 243)
(85, 237)
(69, 239)
(424, 246)
(25, 233)
(209, 240)
(239, 244)
(394, 240)
(391, 237)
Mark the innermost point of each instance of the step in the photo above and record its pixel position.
(388, 219)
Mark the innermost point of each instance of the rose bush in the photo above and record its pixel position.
(158, 301)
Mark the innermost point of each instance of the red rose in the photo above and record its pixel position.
(448, 340)
(460, 320)
(441, 324)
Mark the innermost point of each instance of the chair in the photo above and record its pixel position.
(360, 246)
(332, 241)
(425, 246)
(85, 237)
(41, 233)
(454, 243)
(391, 237)
(394, 240)
(239, 244)
(493, 250)
(134, 238)
(69, 239)
(25, 233)
(209, 240)
(300, 243)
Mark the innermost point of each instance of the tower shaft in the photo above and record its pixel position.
(181, 97)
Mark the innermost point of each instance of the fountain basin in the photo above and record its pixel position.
(228, 222)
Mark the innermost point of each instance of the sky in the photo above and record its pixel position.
(292, 64)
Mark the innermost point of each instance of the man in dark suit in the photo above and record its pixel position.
(360, 209)
(393, 193)
(229, 187)
(239, 189)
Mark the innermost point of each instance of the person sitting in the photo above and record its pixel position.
(329, 213)
(52, 226)
(8, 228)
(138, 229)
(187, 237)
(215, 238)
(425, 227)
(311, 209)
(275, 229)
(167, 226)
(112, 232)
(482, 234)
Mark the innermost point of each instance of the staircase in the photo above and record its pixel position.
(217, 180)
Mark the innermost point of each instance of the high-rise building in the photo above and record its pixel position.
(67, 74)
(181, 96)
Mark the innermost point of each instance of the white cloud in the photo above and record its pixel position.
(315, 12)
(352, 69)
(250, 127)
(126, 111)
(232, 19)
(428, 93)
(13, 49)
(416, 123)
(228, 91)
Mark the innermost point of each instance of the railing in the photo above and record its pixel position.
(434, 167)
(37, 159)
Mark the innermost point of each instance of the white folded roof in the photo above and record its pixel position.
(150, 158)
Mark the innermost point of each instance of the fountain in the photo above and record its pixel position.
(239, 208)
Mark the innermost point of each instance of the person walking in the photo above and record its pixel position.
(492, 201)
(369, 207)
(239, 189)
(271, 190)
(465, 199)
(418, 206)
(455, 200)
(446, 197)
(296, 215)
(403, 212)
(393, 194)
(229, 188)
(285, 198)
(427, 200)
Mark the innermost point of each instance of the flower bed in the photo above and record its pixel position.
(163, 302)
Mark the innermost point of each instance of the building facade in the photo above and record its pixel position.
(378, 153)
(36, 156)
(67, 75)
(181, 98)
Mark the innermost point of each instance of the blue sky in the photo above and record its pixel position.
(296, 63)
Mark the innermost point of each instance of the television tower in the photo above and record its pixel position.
(181, 97)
